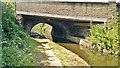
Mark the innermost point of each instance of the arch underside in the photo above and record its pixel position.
(62, 28)
(58, 29)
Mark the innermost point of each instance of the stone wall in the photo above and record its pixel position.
(99, 10)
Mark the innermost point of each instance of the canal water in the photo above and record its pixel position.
(91, 57)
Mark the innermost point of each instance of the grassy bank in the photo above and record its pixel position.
(37, 53)
(14, 56)
(28, 56)
(39, 28)
(18, 49)
(67, 57)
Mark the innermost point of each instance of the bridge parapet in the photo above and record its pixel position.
(90, 9)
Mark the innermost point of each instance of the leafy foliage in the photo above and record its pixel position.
(105, 37)
(40, 29)
(11, 33)
(15, 50)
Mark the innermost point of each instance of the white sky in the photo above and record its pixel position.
(117, 0)
(64, 0)
(86, 0)
(90, 0)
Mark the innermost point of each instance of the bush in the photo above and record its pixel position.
(11, 33)
(105, 37)
(15, 50)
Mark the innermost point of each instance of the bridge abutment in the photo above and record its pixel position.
(69, 20)
(61, 28)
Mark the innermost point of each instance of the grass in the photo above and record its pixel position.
(39, 28)
(30, 55)
(37, 54)
(67, 57)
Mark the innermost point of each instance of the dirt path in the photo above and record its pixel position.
(42, 59)
(59, 56)
(51, 57)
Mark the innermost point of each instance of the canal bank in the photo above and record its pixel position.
(93, 58)
(71, 54)
(64, 57)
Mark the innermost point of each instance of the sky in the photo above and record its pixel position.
(90, 0)
(65, 0)
(86, 0)
(117, 0)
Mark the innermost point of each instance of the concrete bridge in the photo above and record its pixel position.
(70, 20)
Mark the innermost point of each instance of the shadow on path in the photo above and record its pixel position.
(36, 35)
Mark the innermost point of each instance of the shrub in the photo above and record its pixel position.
(11, 33)
(105, 37)
(15, 49)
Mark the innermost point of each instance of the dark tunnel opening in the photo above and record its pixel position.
(59, 34)
(56, 33)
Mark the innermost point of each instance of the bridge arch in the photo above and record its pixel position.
(58, 29)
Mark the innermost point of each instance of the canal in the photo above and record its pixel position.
(93, 58)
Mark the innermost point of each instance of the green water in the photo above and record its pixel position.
(92, 58)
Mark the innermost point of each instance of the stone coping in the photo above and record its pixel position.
(80, 18)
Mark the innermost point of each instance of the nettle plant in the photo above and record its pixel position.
(105, 37)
